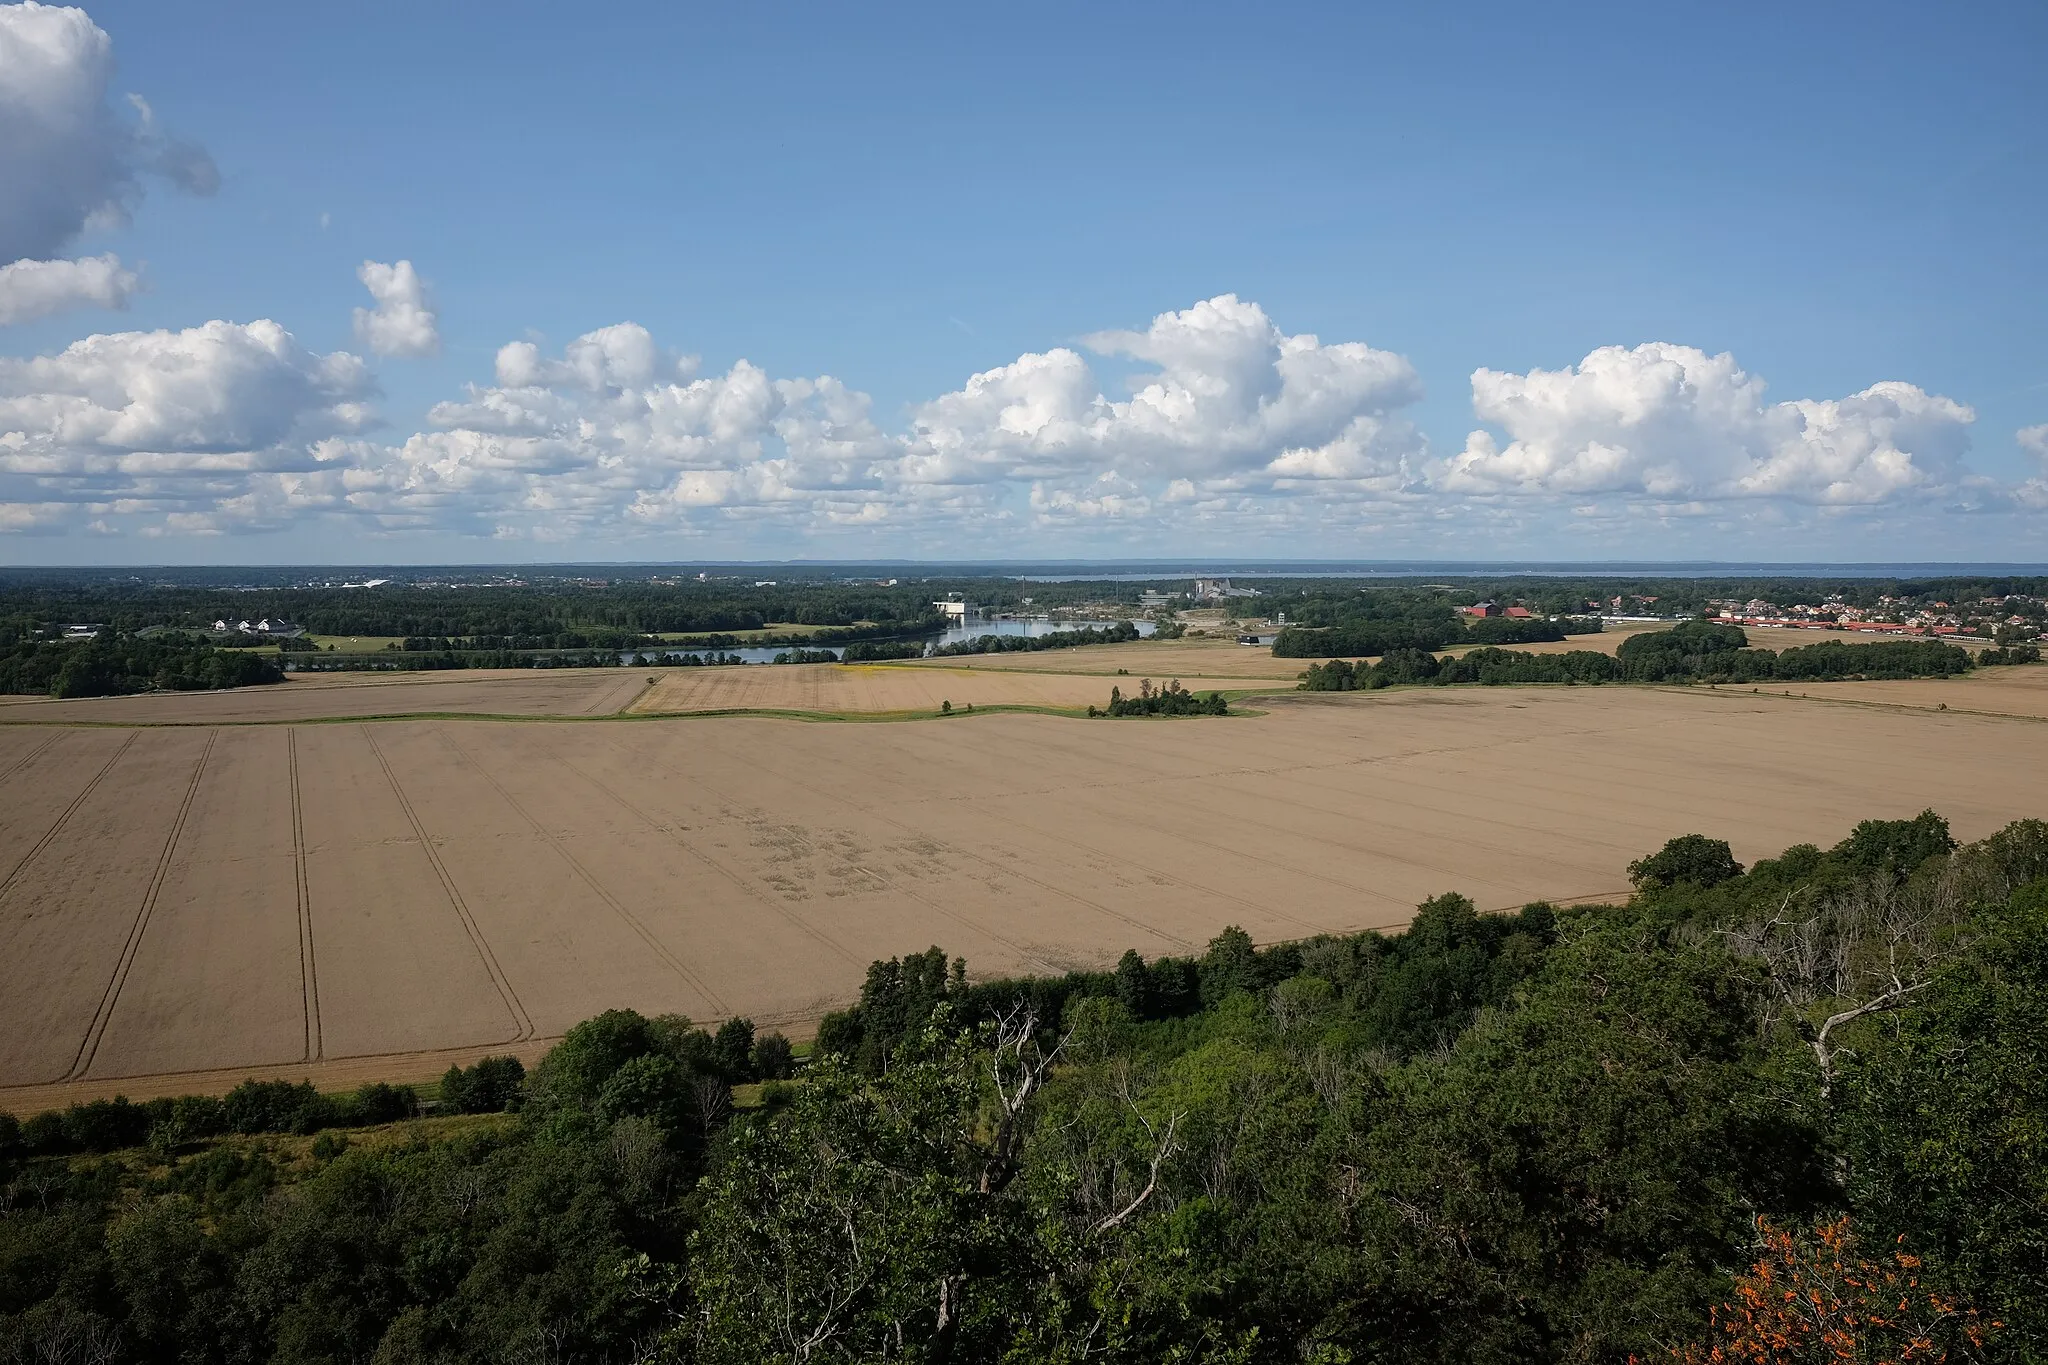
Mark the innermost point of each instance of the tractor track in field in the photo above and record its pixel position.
(89, 1046)
(522, 1021)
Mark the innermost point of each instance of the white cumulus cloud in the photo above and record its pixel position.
(190, 430)
(401, 324)
(1230, 432)
(618, 432)
(1230, 396)
(1674, 424)
(69, 159)
(34, 289)
(2034, 440)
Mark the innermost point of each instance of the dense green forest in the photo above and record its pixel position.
(1337, 602)
(1797, 1112)
(548, 614)
(1695, 651)
(1383, 622)
(112, 664)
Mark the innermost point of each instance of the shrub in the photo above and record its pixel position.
(494, 1085)
(379, 1103)
(196, 1116)
(105, 1125)
(42, 1134)
(774, 1059)
(278, 1107)
(648, 1087)
(1690, 858)
(840, 1032)
(732, 1049)
(1895, 845)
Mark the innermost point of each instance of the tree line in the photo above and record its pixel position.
(1693, 652)
(544, 612)
(397, 661)
(1790, 1112)
(1332, 602)
(550, 603)
(1422, 630)
(1122, 632)
(113, 664)
(600, 638)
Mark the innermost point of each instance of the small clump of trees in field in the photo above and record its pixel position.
(1169, 700)
(1795, 1111)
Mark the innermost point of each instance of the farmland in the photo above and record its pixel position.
(339, 899)
(884, 688)
(328, 696)
(1223, 659)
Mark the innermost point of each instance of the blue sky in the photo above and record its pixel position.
(1840, 198)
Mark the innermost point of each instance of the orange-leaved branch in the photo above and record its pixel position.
(1816, 1299)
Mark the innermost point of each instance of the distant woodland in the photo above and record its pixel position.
(1695, 651)
(490, 618)
(608, 611)
(1785, 1113)
(112, 664)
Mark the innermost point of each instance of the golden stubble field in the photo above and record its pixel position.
(183, 904)
(326, 696)
(853, 688)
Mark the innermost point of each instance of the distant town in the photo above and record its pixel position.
(2010, 617)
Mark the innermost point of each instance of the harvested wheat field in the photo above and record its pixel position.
(2017, 692)
(318, 696)
(877, 688)
(184, 905)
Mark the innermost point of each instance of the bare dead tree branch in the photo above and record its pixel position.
(1866, 950)
(1164, 1146)
(1018, 1067)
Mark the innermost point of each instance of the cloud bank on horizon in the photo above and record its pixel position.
(1211, 425)
(1233, 426)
